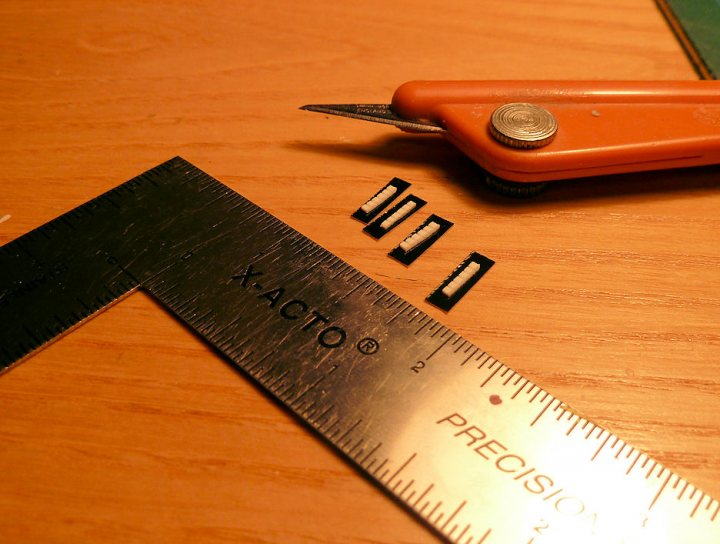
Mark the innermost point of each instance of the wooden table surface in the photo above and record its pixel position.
(130, 429)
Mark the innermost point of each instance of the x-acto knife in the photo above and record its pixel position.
(531, 132)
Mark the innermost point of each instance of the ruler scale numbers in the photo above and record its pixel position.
(477, 451)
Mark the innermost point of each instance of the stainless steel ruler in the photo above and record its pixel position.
(476, 450)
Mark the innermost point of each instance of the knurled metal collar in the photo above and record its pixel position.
(522, 125)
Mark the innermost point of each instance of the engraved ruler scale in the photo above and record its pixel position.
(477, 451)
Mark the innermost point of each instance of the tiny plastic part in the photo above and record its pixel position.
(394, 216)
(380, 200)
(419, 237)
(373, 203)
(454, 287)
(398, 215)
(420, 240)
(458, 281)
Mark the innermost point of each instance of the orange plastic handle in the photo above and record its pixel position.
(604, 127)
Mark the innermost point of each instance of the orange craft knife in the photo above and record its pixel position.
(531, 132)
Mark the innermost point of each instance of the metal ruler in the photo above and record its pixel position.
(471, 447)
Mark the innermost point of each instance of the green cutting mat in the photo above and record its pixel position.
(697, 25)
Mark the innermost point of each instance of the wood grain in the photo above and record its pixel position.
(129, 429)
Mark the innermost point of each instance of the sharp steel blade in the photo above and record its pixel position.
(377, 113)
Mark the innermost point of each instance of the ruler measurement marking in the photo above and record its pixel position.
(402, 309)
(431, 512)
(351, 451)
(425, 324)
(380, 466)
(644, 464)
(329, 424)
(655, 465)
(425, 506)
(68, 223)
(592, 429)
(682, 491)
(422, 496)
(510, 377)
(601, 446)
(394, 487)
(369, 453)
(519, 389)
(485, 360)
(197, 319)
(308, 389)
(537, 394)
(111, 201)
(490, 377)
(19, 243)
(572, 428)
(438, 348)
(462, 533)
(358, 286)
(416, 314)
(659, 492)
(63, 324)
(405, 490)
(334, 428)
(542, 412)
(632, 465)
(469, 357)
(351, 429)
(276, 380)
(435, 330)
(484, 537)
(76, 317)
(379, 301)
(308, 410)
(323, 415)
(402, 467)
(282, 390)
(622, 447)
(230, 324)
(339, 273)
(260, 376)
(710, 502)
(8, 357)
(32, 335)
(247, 363)
(697, 505)
(452, 516)
(353, 274)
(461, 345)
(715, 513)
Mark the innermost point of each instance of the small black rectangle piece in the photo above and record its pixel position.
(465, 276)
